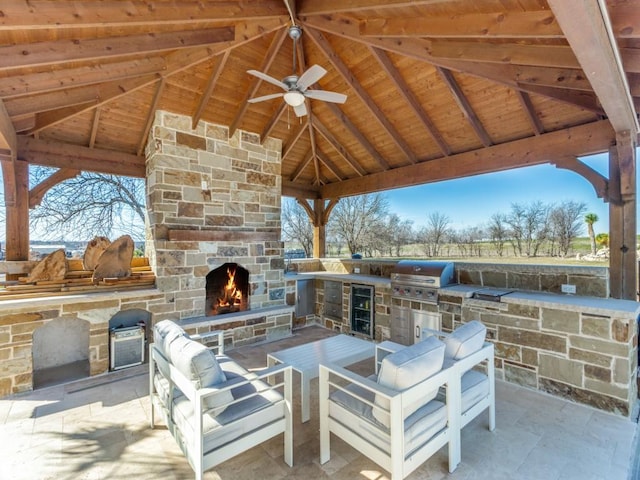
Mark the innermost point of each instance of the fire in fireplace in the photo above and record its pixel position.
(227, 289)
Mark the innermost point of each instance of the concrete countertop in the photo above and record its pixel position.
(594, 305)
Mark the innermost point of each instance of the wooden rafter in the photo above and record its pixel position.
(324, 131)
(64, 51)
(576, 141)
(571, 78)
(418, 49)
(410, 98)
(62, 155)
(324, 7)
(314, 153)
(302, 166)
(39, 14)
(94, 127)
(538, 24)
(465, 106)
(269, 58)
(530, 111)
(362, 94)
(273, 121)
(332, 167)
(589, 33)
(293, 138)
(151, 115)
(211, 84)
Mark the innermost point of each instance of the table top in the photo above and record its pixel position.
(342, 350)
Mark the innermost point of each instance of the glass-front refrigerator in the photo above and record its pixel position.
(362, 308)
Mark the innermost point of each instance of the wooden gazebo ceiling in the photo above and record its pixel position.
(436, 89)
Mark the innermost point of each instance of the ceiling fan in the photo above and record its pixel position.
(296, 89)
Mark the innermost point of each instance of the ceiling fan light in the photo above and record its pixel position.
(295, 99)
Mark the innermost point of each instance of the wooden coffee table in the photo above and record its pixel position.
(342, 350)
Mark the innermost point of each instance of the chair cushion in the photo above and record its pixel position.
(465, 340)
(165, 332)
(406, 368)
(197, 363)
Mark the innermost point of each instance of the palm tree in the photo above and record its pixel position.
(590, 219)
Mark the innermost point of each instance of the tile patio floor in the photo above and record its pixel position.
(98, 428)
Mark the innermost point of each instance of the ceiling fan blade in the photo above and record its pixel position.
(265, 97)
(267, 78)
(300, 110)
(323, 95)
(311, 76)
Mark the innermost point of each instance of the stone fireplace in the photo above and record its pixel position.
(213, 203)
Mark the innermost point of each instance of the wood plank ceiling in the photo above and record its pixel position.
(436, 89)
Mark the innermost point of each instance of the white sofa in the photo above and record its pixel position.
(213, 407)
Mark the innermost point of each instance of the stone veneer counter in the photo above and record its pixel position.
(379, 282)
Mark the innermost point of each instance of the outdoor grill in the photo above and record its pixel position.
(420, 279)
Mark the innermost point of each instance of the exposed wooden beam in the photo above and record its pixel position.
(151, 114)
(290, 189)
(558, 56)
(293, 138)
(55, 80)
(314, 153)
(8, 140)
(65, 51)
(535, 24)
(302, 166)
(328, 136)
(530, 112)
(63, 155)
(577, 141)
(571, 78)
(588, 30)
(44, 14)
(268, 60)
(419, 49)
(38, 192)
(211, 85)
(332, 167)
(324, 7)
(362, 94)
(411, 100)
(466, 108)
(273, 121)
(346, 122)
(94, 127)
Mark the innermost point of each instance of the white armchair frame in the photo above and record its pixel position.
(395, 459)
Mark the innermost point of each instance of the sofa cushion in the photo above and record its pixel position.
(197, 363)
(165, 332)
(406, 368)
(465, 340)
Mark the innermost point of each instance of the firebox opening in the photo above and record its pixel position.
(227, 289)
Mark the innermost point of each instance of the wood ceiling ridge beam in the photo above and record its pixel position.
(502, 24)
(324, 46)
(465, 106)
(342, 151)
(577, 141)
(410, 98)
(268, 60)
(419, 50)
(589, 33)
(50, 153)
(65, 51)
(41, 14)
(346, 122)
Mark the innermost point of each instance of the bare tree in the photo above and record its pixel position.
(296, 225)
(88, 205)
(498, 231)
(432, 236)
(529, 227)
(396, 233)
(356, 219)
(566, 224)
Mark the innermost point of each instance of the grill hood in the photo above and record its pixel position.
(434, 274)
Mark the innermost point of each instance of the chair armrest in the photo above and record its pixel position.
(437, 333)
(354, 378)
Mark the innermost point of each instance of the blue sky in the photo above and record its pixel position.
(471, 201)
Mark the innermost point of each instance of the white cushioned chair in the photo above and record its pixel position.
(213, 407)
(393, 418)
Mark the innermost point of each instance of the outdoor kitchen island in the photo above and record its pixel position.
(577, 347)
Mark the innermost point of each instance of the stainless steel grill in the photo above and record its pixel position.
(420, 279)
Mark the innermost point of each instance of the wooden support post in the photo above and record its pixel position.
(319, 229)
(16, 185)
(623, 273)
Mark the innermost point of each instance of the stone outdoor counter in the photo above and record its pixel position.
(580, 348)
